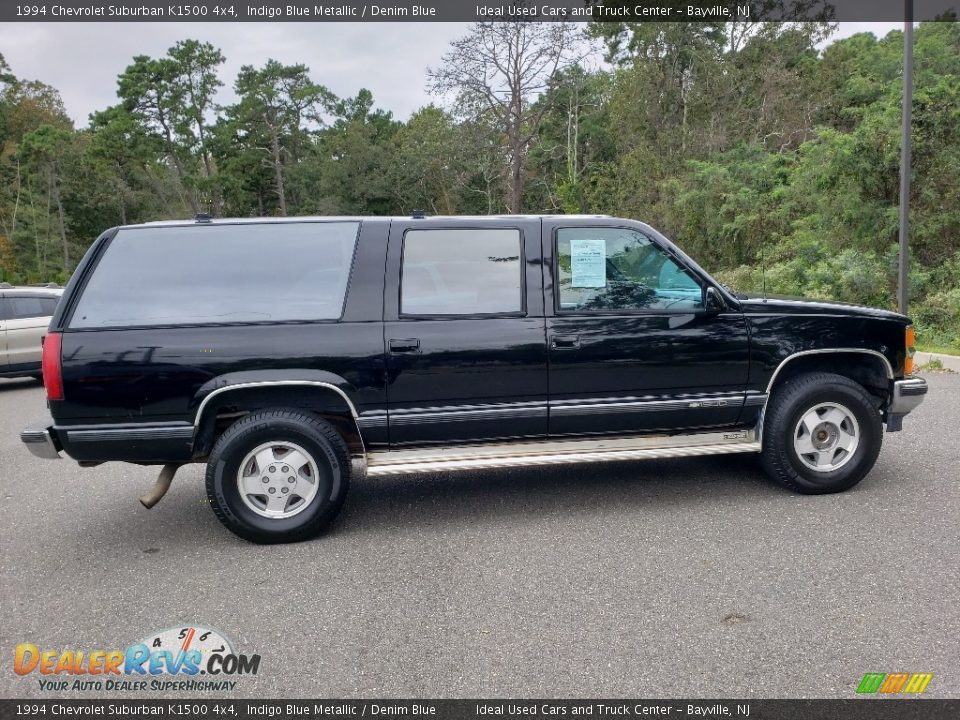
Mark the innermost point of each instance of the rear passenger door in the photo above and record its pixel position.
(464, 331)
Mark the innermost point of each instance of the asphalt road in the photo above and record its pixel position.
(674, 578)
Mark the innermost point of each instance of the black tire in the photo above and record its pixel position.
(794, 399)
(316, 437)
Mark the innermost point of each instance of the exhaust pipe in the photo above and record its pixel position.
(160, 487)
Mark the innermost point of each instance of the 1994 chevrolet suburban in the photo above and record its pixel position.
(293, 355)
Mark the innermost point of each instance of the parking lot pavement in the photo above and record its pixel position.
(690, 577)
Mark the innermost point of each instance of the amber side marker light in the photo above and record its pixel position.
(910, 343)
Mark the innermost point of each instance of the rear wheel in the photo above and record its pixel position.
(822, 433)
(278, 476)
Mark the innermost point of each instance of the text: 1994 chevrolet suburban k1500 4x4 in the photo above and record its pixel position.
(294, 354)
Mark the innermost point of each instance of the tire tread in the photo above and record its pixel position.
(253, 422)
(774, 456)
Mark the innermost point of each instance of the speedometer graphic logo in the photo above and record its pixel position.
(204, 640)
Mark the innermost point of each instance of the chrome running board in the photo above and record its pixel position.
(558, 452)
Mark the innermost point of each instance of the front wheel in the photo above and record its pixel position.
(278, 476)
(822, 433)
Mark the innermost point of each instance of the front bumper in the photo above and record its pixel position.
(905, 396)
(39, 440)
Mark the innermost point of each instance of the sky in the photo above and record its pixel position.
(82, 60)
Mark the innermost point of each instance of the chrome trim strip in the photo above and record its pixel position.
(647, 405)
(271, 383)
(184, 432)
(825, 351)
(755, 400)
(454, 413)
(557, 452)
(580, 406)
(467, 415)
(683, 397)
(372, 421)
(468, 408)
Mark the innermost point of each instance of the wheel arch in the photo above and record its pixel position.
(870, 368)
(224, 405)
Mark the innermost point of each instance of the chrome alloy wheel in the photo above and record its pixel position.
(278, 479)
(826, 437)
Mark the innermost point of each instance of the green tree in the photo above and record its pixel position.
(349, 172)
(46, 152)
(280, 107)
(147, 89)
(574, 137)
(499, 69)
(432, 164)
(194, 86)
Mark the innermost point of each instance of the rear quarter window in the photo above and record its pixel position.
(191, 275)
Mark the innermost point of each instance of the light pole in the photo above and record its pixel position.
(905, 157)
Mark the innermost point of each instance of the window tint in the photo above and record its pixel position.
(49, 305)
(610, 269)
(220, 274)
(27, 306)
(461, 272)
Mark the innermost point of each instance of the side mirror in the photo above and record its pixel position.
(713, 300)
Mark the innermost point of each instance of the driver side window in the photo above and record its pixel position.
(618, 269)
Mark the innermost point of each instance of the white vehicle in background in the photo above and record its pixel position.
(24, 317)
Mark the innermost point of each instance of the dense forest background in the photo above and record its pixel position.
(773, 163)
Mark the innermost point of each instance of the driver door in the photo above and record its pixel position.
(632, 346)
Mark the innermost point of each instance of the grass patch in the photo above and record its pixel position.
(937, 348)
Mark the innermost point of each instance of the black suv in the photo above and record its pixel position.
(295, 355)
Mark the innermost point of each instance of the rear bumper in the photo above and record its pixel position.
(906, 395)
(41, 441)
(158, 443)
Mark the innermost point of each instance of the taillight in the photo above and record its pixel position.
(51, 366)
(910, 342)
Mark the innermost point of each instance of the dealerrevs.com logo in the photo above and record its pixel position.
(182, 653)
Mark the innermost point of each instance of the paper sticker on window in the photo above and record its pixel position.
(588, 263)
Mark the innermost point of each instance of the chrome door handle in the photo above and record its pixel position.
(410, 345)
(565, 342)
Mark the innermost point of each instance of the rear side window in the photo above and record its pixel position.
(264, 272)
(461, 272)
(30, 306)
